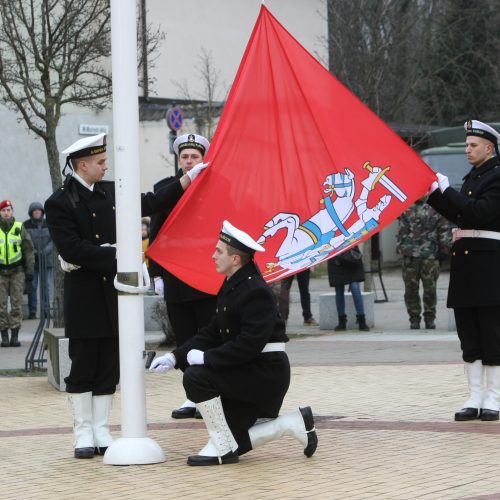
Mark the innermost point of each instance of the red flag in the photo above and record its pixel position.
(297, 161)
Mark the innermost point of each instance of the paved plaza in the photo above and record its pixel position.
(383, 403)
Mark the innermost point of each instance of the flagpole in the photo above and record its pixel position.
(134, 447)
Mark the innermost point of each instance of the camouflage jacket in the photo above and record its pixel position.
(423, 233)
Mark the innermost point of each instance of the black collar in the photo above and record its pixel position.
(485, 167)
(83, 191)
(240, 275)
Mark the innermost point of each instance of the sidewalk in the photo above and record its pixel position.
(383, 402)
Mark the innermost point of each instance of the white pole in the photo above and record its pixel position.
(133, 447)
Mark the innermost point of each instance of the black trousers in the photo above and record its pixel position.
(95, 366)
(305, 297)
(202, 384)
(478, 329)
(187, 318)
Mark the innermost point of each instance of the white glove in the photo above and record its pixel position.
(159, 289)
(433, 187)
(66, 266)
(163, 363)
(194, 172)
(196, 357)
(443, 182)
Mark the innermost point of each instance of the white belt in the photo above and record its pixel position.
(274, 347)
(474, 233)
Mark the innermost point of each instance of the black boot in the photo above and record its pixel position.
(362, 323)
(414, 323)
(5, 338)
(342, 326)
(14, 342)
(429, 324)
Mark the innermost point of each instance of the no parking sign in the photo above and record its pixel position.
(174, 119)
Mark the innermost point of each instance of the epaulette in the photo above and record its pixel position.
(58, 193)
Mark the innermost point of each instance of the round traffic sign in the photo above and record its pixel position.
(174, 118)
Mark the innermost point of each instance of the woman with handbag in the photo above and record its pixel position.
(347, 269)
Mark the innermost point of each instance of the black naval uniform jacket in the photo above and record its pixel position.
(175, 290)
(245, 321)
(475, 262)
(80, 221)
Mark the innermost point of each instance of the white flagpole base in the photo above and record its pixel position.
(134, 451)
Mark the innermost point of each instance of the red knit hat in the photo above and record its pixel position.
(5, 203)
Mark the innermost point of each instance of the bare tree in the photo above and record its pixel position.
(56, 52)
(425, 61)
(461, 77)
(204, 107)
(53, 53)
(373, 48)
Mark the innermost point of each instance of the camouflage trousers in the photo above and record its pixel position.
(11, 283)
(415, 270)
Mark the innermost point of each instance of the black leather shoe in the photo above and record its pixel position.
(312, 437)
(87, 452)
(228, 458)
(100, 450)
(489, 415)
(184, 412)
(414, 325)
(429, 324)
(467, 414)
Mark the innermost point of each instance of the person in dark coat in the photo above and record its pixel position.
(236, 369)
(347, 269)
(36, 225)
(474, 288)
(188, 309)
(81, 220)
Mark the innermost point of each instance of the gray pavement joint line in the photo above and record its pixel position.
(321, 423)
(461, 485)
(492, 496)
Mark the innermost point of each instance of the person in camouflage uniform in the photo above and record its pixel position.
(423, 240)
(17, 262)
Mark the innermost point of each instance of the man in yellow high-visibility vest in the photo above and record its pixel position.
(17, 261)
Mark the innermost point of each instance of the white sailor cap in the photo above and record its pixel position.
(238, 239)
(87, 146)
(480, 129)
(191, 141)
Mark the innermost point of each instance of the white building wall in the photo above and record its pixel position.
(223, 27)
